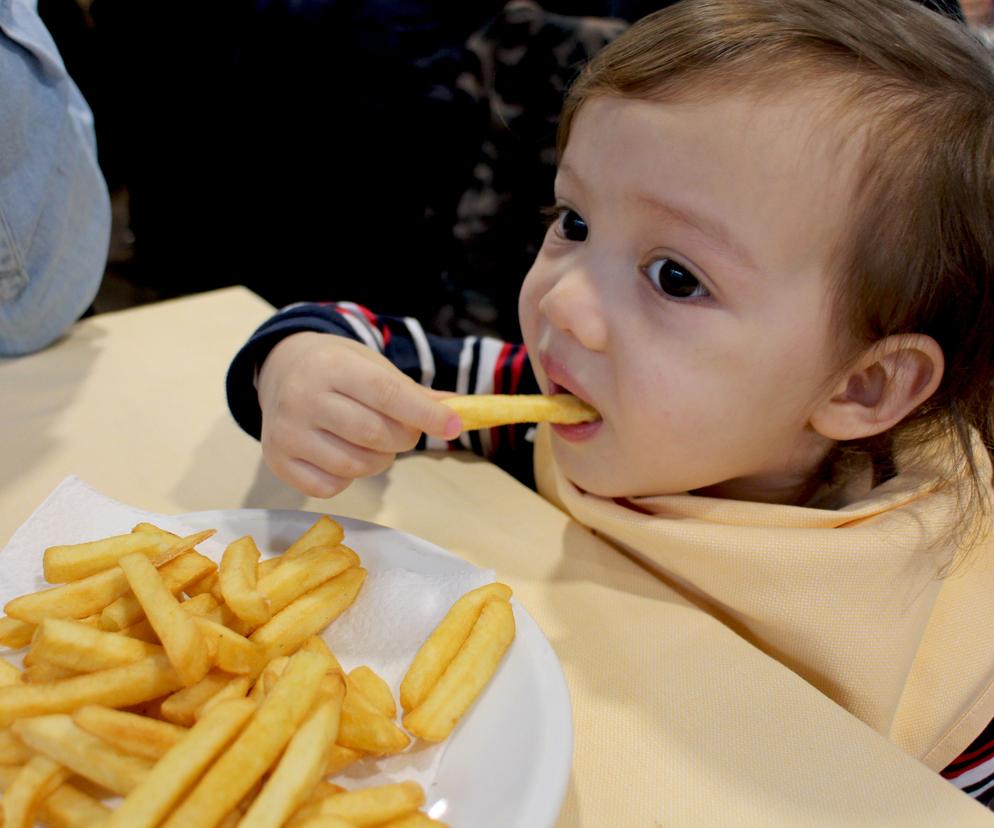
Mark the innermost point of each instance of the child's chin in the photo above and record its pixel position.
(589, 477)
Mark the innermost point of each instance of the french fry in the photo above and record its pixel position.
(15, 634)
(117, 687)
(60, 739)
(418, 819)
(145, 526)
(9, 674)
(339, 758)
(182, 706)
(491, 410)
(205, 605)
(304, 572)
(235, 653)
(444, 642)
(309, 614)
(237, 578)
(177, 575)
(466, 675)
(130, 733)
(325, 531)
(180, 547)
(368, 806)
(43, 672)
(142, 631)
(62, 564)
(366, 729)
(316, 644)
(38, 778)
(299, 769)
(257, 747)
(180, 636)
(12, 750)
(237, 688)
(66, 807)
(82, 648)
(375, 690)
(272, 671)
(202, 604)
(324, 788)
(77, 599)
(210, 584)
(326, 821)
(175, 773)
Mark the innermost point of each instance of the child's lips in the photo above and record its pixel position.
(556, 388)
(577, 432)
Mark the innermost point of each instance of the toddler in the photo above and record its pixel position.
(769, 269)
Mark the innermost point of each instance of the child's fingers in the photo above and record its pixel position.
(308, 478)
(402, 399)
(338, 457)
(362, 426)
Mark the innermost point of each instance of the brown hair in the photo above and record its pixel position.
(919, 254)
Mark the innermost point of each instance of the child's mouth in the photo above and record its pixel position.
(577, 432)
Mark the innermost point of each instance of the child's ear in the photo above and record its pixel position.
(890, 380)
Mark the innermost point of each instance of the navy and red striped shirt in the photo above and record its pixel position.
(469, 365)
(474, 365)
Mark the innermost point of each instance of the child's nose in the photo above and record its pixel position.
(574, 305)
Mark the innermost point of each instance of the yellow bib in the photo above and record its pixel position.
(850, 599)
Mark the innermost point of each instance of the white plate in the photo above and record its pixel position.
(508, 762)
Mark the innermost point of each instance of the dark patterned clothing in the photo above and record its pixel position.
(468, 365)
(973, 770)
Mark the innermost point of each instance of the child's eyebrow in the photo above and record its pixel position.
(713, 228)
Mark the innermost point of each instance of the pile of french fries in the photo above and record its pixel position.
(203, 695)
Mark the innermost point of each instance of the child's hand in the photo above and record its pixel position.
(334, 410)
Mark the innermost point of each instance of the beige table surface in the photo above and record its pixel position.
(134, 404)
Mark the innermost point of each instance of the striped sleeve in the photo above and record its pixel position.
(973, 770)
(470, 365)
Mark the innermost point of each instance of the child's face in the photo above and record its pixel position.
(684, 292)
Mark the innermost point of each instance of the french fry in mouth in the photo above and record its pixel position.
(491, 410)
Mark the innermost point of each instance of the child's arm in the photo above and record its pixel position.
(469, 365)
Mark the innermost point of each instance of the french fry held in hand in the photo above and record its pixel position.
(229, 717)
(491, 410)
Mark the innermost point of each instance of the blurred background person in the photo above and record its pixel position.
(54, 204)
(397, 152)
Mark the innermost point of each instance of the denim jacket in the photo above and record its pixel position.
(54, 204)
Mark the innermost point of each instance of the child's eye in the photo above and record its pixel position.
(673, 279)
(570, 225)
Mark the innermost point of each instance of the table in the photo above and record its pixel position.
(133, 402)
